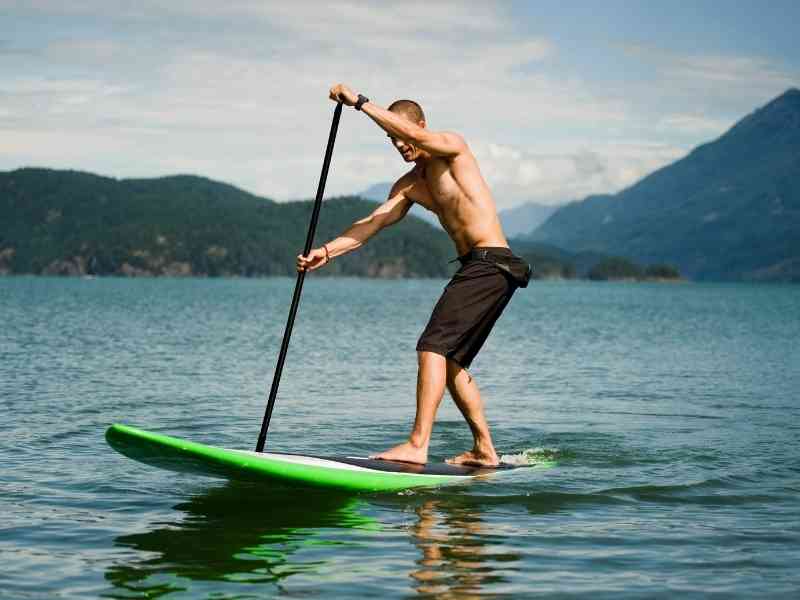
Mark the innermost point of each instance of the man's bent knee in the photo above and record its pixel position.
(454, 370)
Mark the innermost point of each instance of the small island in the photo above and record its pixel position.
(553, 263)
(616, 268)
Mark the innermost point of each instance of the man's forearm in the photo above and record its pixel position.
(393, 124)
(355, 237)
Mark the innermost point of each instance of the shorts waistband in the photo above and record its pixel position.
(483, 252)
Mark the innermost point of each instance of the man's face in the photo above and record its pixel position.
(407, 151)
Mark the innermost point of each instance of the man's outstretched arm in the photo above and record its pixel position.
(388, 213)
(437, 143)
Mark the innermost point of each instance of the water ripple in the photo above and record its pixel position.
(668, 411)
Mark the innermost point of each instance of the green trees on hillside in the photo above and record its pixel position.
(615, 268)
(662, 271)
(70, 223)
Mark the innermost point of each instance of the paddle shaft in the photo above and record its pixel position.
(301, 275)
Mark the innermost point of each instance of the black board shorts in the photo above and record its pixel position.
(472, 302)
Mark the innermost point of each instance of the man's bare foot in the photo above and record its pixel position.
(475, 458)
(405, 452)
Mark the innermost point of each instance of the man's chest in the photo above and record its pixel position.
(435, 189)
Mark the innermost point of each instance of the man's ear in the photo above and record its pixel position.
(422, 124)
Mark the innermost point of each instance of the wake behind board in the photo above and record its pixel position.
(342, 472)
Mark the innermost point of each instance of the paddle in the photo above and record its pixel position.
(301, 275)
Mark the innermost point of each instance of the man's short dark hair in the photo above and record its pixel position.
(409, 109)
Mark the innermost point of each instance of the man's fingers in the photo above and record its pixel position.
(339, 93)
(309, 262)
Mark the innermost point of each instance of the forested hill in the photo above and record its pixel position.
(728, 210)
(72, 223)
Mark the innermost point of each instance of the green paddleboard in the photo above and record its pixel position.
(341, 472)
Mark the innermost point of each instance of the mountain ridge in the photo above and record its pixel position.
(730, 209)
(77, 223)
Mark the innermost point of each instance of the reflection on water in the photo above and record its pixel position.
(246, 534)
(236, 533)
(454, 561)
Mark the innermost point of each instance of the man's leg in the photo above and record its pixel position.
(431, 379)
(465, 394)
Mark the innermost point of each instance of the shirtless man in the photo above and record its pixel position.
(447, 181)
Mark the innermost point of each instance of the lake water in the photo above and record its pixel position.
(672, 412)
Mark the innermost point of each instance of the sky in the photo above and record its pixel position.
(557, 100)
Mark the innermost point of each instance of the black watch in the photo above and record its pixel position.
(362, 100)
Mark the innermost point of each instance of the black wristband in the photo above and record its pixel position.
(362, 100)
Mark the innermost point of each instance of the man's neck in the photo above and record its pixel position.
(422, 163)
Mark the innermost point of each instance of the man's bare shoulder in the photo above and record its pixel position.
(453, 142)
(454, 137)
(405, 182)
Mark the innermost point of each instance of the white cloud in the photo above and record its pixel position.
(41, 85)
(229, 106)
(553, 178)
(697, 125)
(237, 91)
(739, 70)
(716, 75)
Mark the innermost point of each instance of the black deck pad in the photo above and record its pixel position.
(396, 466)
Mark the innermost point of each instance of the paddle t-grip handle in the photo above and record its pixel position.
(301, 275)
